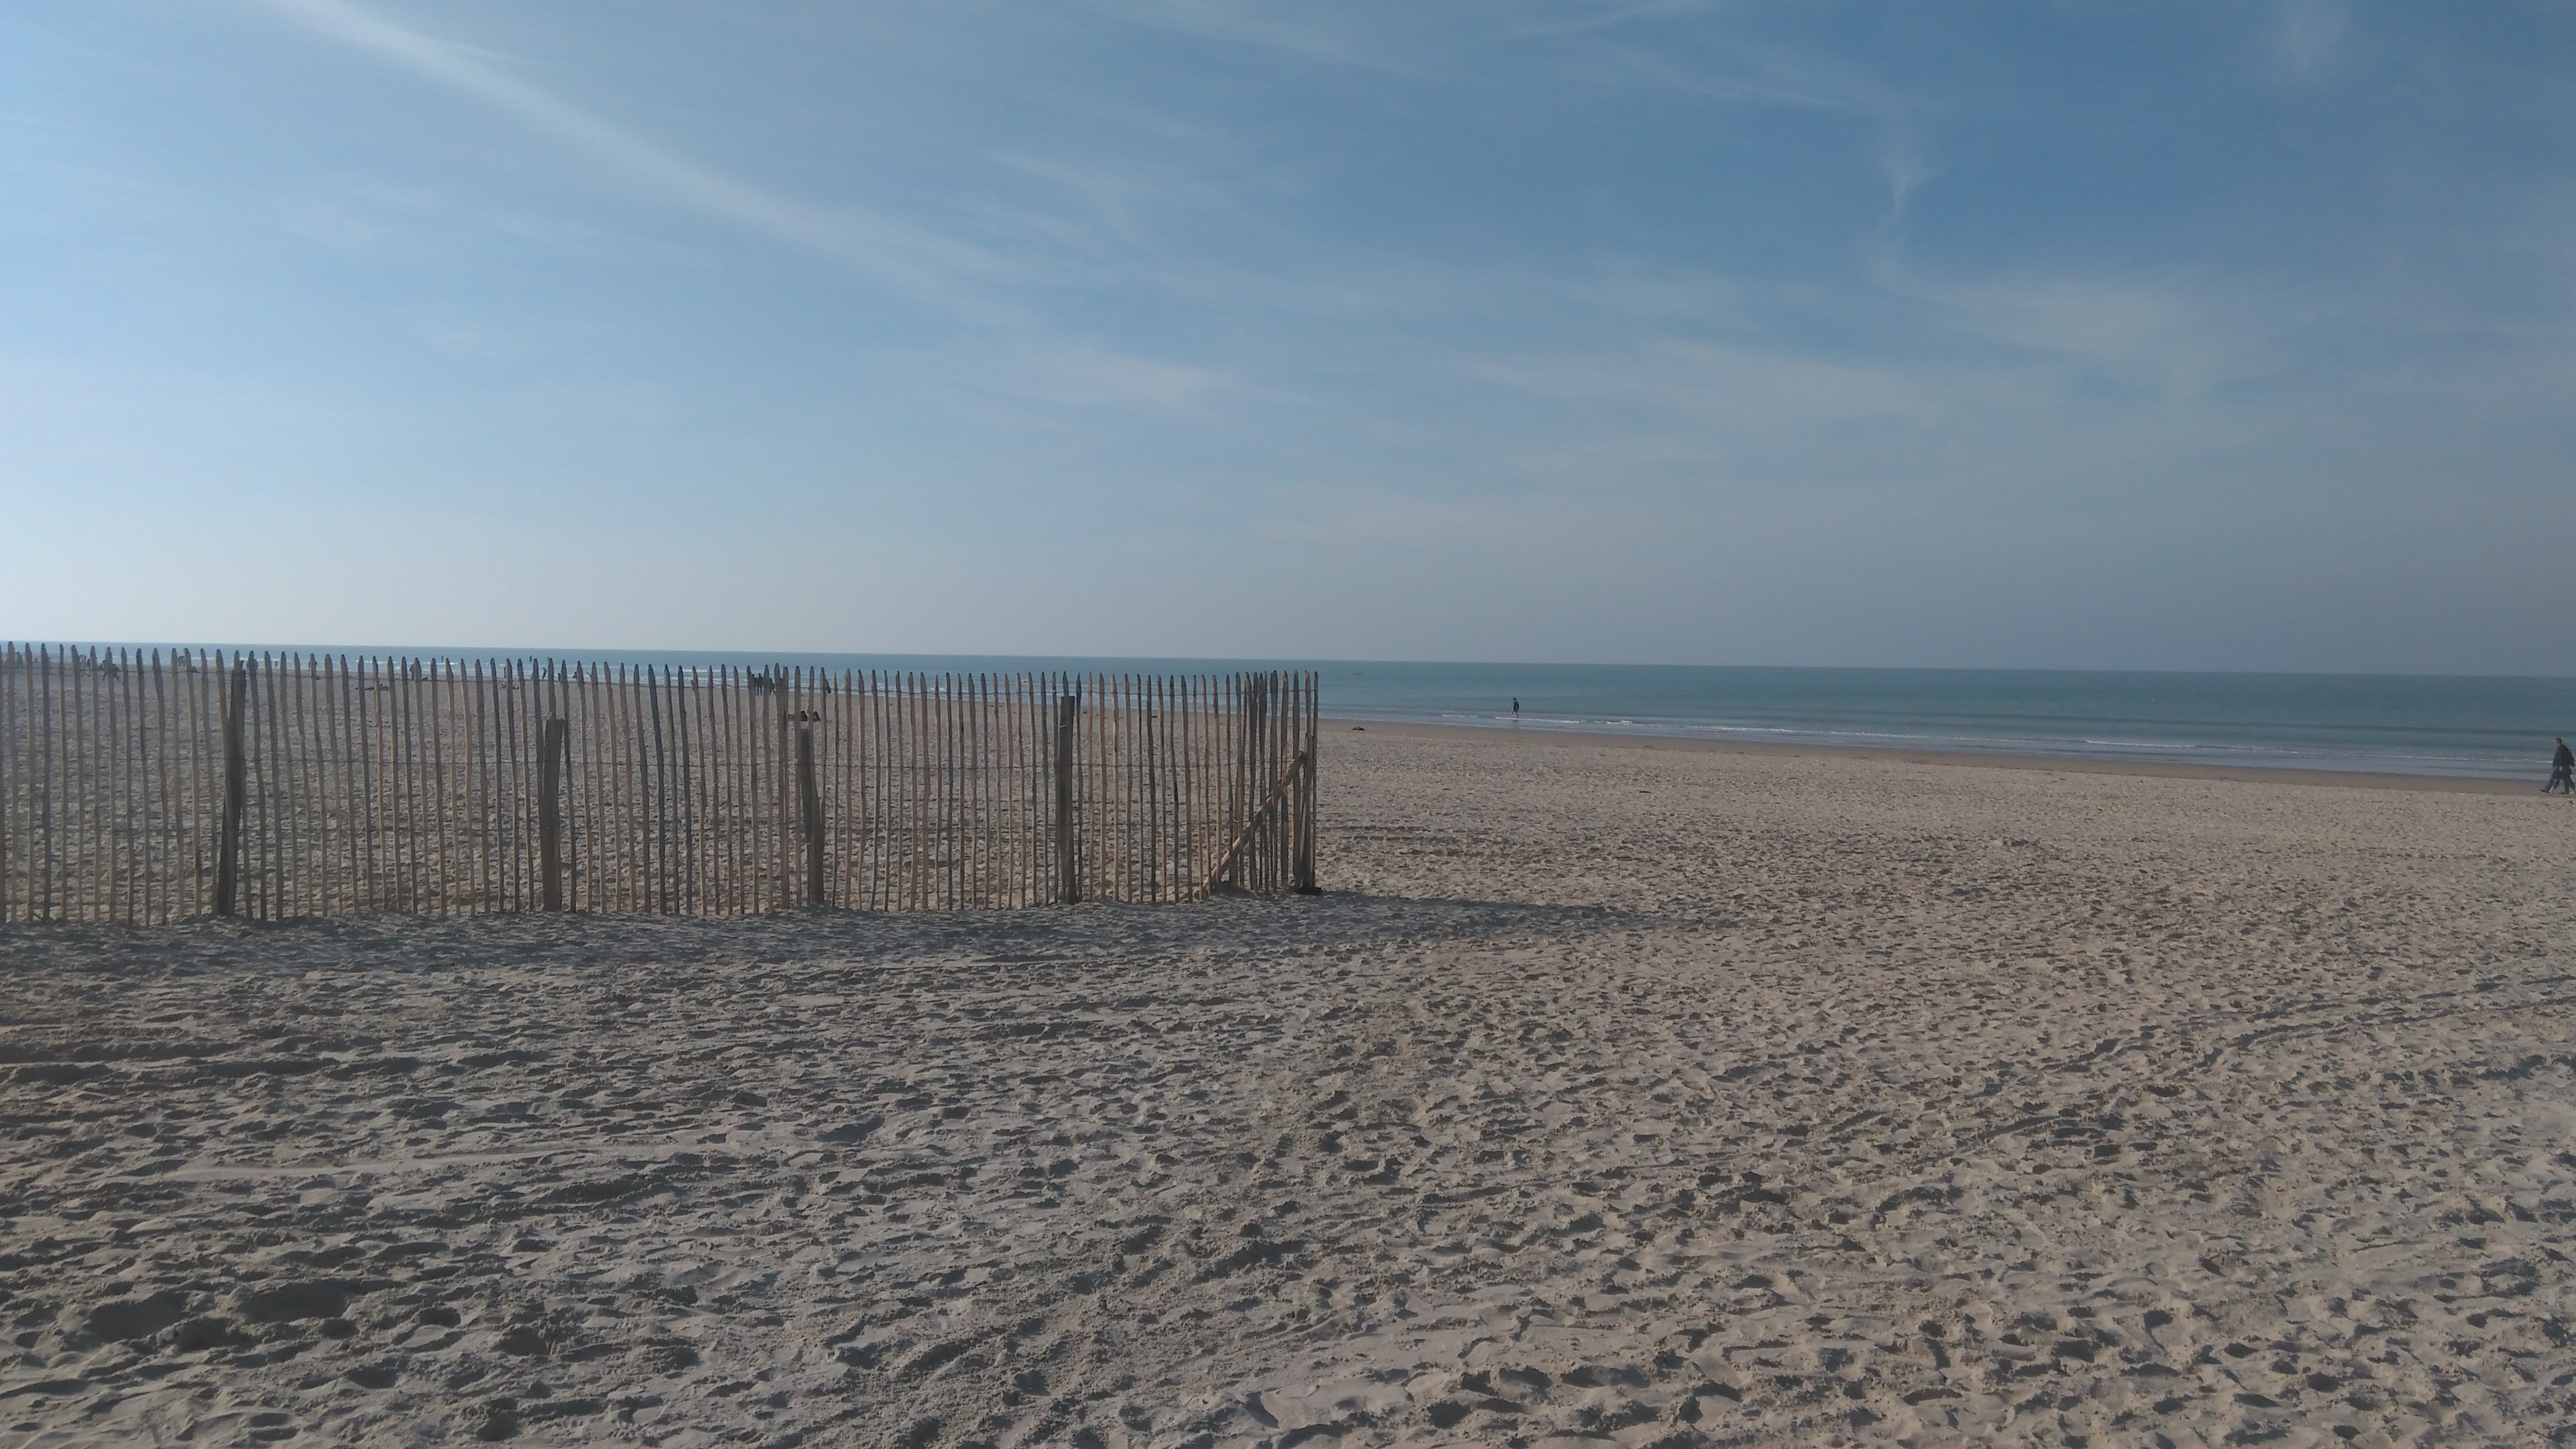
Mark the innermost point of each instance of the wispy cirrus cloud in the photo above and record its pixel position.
(1372, 39)
(996, 292)
(2309, 35)
(894, 253)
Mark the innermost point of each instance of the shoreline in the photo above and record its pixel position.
(2063, 764)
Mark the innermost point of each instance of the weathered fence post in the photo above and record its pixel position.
(228, 842)
(553, 745)
(1069, 880)
(811, 798)
(1305, 817)
(1256, 763)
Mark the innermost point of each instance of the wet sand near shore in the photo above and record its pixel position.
(1617, 1093)
(1538, 736)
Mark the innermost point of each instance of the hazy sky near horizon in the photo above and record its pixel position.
(2173, 335)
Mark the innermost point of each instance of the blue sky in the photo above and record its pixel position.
(2151, 335)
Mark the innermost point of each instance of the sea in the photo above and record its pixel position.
(2413, 724)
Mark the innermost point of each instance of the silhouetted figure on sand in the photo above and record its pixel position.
(2562, 771)
(1516, 714)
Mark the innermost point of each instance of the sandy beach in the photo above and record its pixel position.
(1612, 1094)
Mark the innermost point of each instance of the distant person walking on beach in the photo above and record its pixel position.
(1516, 718)
(2562, 771)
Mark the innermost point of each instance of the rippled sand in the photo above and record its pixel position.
(1665, 1097)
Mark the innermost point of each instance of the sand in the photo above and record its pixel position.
(1656, 1097)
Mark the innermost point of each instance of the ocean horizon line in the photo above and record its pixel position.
(613, 655)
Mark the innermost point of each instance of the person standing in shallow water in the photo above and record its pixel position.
(1516, 716)
(2562, 771)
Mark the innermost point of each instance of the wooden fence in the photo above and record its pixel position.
(147, 788)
